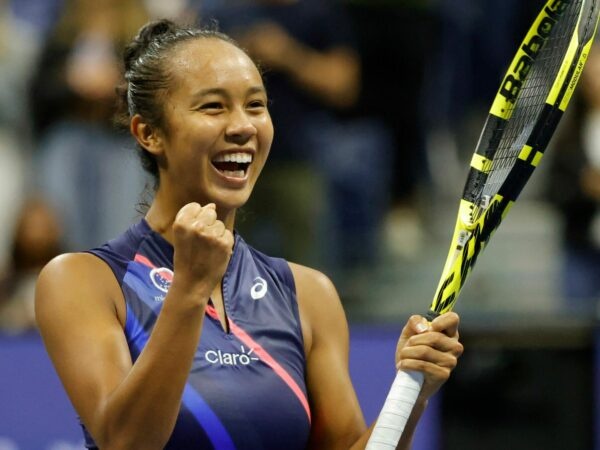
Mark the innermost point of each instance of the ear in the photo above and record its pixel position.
(148, 137)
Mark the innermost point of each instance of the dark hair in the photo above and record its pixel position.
(147, 75)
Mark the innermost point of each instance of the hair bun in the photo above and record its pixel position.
(149, 33)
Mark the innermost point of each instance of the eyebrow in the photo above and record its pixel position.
(224, 92)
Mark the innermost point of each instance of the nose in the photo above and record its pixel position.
(240, 128)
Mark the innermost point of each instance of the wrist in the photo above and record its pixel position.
(192, 292)
(421, 403)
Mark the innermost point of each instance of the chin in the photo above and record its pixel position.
(231, 201)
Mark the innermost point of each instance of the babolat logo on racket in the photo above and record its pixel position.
(511, 86)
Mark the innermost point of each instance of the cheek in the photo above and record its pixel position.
(195, 143)
(204, 133)
(266, 133)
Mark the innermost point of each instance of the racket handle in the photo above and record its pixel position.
(396, 410)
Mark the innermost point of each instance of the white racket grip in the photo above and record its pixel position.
(396, 410)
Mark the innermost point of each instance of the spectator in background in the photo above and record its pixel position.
(396, 40)
(475, 42)
(36, 240)
(183, 10)
(85, 168)
(18, 50)
(328, 174)
(39, 15)
(574, 188)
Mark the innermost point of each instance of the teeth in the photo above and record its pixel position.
(234, 157)
(234, 173)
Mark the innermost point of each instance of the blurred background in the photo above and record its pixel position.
(377, 106)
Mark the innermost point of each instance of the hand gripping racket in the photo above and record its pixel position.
(525, 112)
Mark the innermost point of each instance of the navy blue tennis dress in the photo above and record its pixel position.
(246, 389)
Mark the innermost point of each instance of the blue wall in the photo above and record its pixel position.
(35, 413)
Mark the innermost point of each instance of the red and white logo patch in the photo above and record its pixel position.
(161, 278)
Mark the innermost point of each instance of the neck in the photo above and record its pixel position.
(163, 211)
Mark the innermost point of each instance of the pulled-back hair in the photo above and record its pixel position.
(147, 75)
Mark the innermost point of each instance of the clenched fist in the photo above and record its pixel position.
(202, 247)
(432, 348)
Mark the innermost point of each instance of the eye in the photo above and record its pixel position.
(211, 107)
(257, 104)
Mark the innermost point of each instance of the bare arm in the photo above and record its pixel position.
(332, 75)
(433, 349)
(337, 419)
(79, 309)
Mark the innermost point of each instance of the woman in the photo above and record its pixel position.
(194, 339)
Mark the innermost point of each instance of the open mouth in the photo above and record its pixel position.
(233, 165)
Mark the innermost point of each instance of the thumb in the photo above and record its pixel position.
(415, 325)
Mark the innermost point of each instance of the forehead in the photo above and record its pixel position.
(211, 62)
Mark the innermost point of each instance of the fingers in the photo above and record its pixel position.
(199, 218)
(445, 354)
(188, 212)
(202, 248)
(206, 217)
(430, 348)
(427, 345)
(442, 335)
(435, 374)
(446, 323)
(193, 213)
(228, 239)
(416, 325)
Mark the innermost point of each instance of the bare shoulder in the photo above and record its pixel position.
(321, 311)
(75, 282)
(74, 271)
(72, 265)
(82, 325)
(311, 281)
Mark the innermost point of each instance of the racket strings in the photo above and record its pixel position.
(527, 108)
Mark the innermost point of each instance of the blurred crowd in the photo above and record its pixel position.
(372, 103)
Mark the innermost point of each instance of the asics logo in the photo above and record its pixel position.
(259, 288)
(241, 358)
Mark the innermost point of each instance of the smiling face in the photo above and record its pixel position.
(217, 130)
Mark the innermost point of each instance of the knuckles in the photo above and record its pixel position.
(415, 319)
(437, 351)
(458, 349)
(433, 372)
(432, 339)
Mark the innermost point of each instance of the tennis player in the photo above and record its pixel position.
(179, 335)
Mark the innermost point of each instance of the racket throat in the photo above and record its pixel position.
(462, 238)
(431, 315)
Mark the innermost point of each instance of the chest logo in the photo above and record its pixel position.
(161, 277)
(259, 288)
(241, 358)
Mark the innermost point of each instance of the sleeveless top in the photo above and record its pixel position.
(246, 388)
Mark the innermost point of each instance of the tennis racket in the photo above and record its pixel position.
(524, 114)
